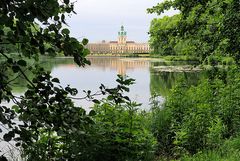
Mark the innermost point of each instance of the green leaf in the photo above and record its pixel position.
(63, 18)
(15, 68)
(42, 49)
(22, 63)
(96, 101)
(66, 1)
(56, 80)
(16, 108)
(110, 97)
(1, 32)
(87, 62)
(86, 52)
(61, 133)
(126, 97)
(68, 10)
(33, 42)
(85, 41)
(17, 144)
(10, 60)
(56, 18)
(65, 31)
(92, 113)
(7, 137)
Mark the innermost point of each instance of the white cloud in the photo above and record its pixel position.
(101, 19)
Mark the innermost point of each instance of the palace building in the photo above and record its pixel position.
(119, 46)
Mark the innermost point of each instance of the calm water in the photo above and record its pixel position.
(105, 69)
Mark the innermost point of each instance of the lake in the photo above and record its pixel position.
(104, 70)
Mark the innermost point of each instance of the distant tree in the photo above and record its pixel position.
(162, 35)
(206, 27)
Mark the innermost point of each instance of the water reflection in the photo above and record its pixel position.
(162, 82)
(105, 69)
(120, 64)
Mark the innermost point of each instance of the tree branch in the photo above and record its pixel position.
(21, 71)
(88, 96)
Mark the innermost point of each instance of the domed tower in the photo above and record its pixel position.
(122, 36)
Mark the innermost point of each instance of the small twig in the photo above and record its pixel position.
(4, 127)
(16, 97)
(21, 71)
(4, 55)
(25, 76)
(10, 144)
(15, 77)
(88, 96)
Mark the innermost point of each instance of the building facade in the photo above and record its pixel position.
(119, 46)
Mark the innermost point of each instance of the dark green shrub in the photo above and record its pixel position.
(229, 150)
(200, 117)
(114, 130)
(123, 135)
(161, 129)
(214, 60)
(228, 61)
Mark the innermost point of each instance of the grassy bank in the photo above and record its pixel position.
(229, 151)
(176, 58)
(167, 58)
(211, 60)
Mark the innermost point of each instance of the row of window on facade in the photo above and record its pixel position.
(119, 48)
(119, 51)
(129, 48)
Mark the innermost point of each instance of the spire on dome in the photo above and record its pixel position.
(122, 28)
(122, 32)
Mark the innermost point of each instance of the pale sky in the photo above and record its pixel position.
(101, 19)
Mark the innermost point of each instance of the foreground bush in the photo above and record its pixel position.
(123, 133)
(199, 117)
(113, 130)
(230, 150)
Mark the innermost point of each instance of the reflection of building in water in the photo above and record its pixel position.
(119, 46)
(121, 65)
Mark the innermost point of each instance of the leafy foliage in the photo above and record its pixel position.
(203, 28)
(228, 151)
(199, 117)
(56, 129)
(44, 121)
(160, 32)
(124, 133)
(195, 119)
(28, 26)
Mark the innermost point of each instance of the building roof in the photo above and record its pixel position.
(113, 42)
(130, 41)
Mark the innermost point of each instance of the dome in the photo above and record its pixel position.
(122, 32)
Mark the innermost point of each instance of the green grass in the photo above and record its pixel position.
(229, 151)
(177, 58)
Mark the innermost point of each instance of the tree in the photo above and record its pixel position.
(29, 25)
(204, 28)
(199, 118)
(160, 32)
(44, 121)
